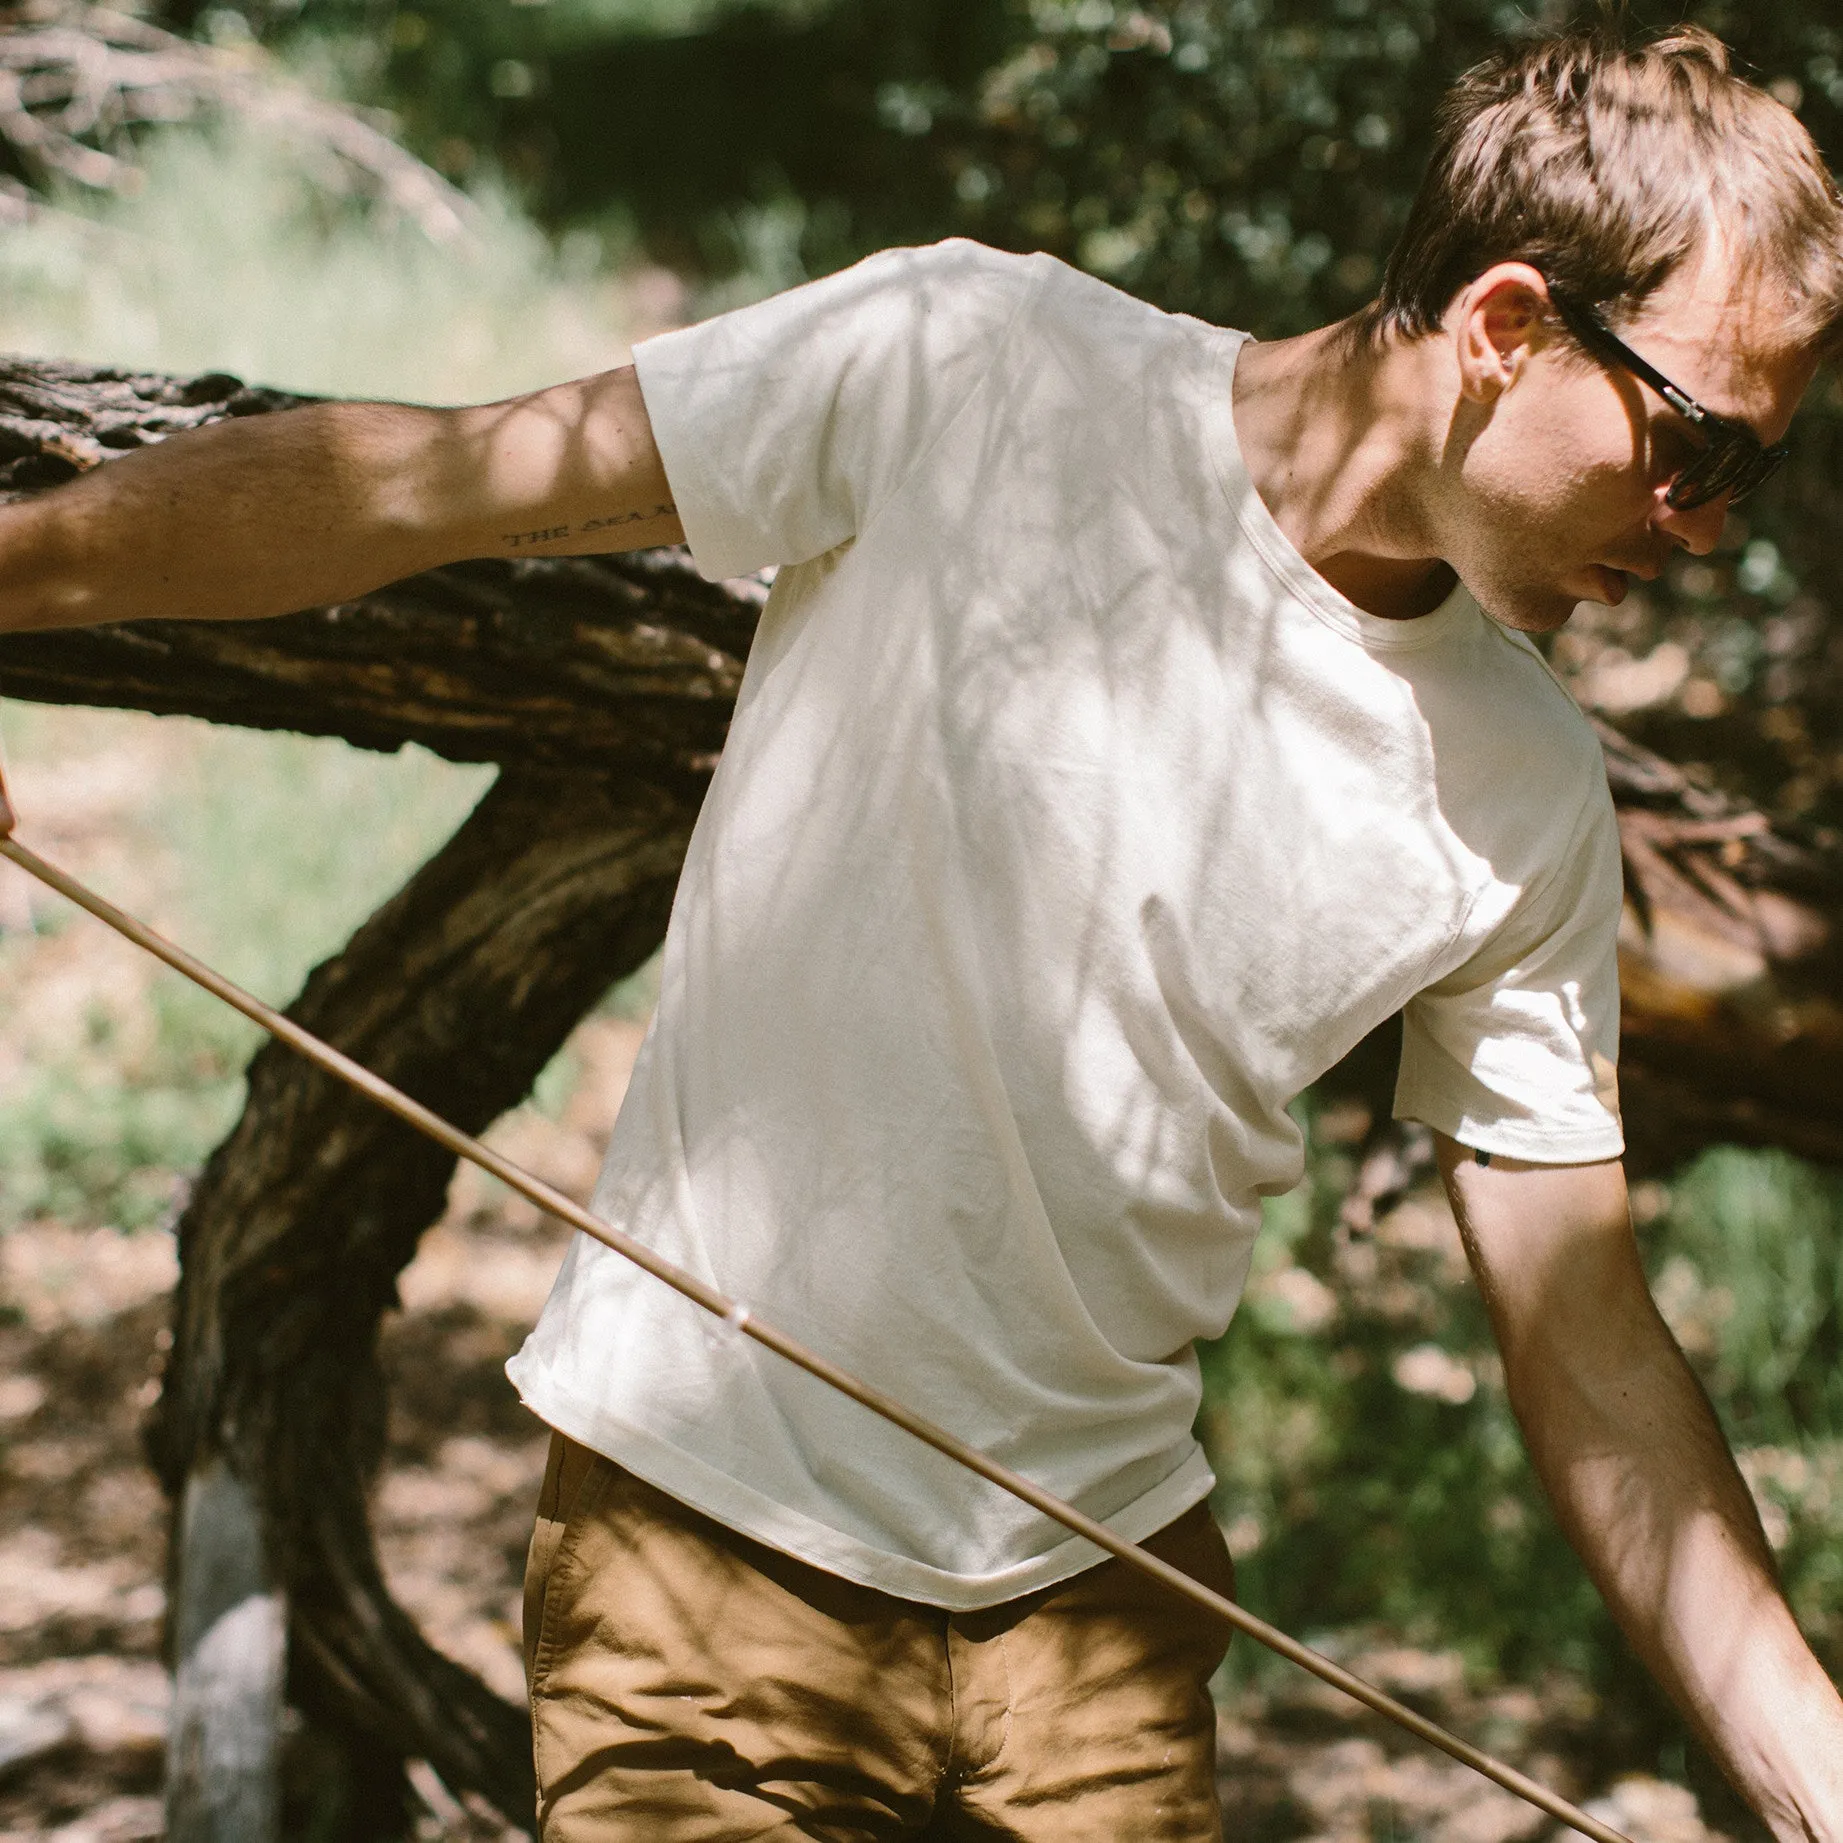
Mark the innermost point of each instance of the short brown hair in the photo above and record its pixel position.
(1607, 165)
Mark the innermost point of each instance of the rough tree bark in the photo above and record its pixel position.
(602, 687)
(459, 990)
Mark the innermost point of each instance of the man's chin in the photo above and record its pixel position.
(1530, 611)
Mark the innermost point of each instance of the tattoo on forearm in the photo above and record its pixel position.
(550, 534)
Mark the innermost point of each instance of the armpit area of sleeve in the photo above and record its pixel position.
(666, 366)
(1567, 1117)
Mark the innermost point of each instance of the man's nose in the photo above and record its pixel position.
(1697, 531)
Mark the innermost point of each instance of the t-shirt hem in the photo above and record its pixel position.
(751, 1513)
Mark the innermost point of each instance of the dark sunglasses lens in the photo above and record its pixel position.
(1763, 467)
(1725, 466)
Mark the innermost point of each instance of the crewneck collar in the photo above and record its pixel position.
(1282, 556)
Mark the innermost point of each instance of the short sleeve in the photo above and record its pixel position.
(1517, 1051)
(785, 425)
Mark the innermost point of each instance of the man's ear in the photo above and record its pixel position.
(1498, 320)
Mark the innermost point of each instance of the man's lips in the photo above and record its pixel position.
(1615, 579)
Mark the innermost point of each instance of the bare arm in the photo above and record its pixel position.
(1635, 1463)
(268, 514)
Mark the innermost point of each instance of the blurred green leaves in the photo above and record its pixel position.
(1753, 1261)
(1246, 160)
(1252, 160)
(1249, 160)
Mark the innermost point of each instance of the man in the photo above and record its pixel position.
(1122, 740)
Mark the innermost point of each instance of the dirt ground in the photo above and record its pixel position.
(83, 1322)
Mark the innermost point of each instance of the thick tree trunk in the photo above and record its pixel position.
(602, 687)
(459, 990)
(574, 665)
(229, 1633)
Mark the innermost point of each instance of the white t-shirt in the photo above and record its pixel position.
(1069, 826)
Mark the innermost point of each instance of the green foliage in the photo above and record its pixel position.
(683, 117)
(229, 259)
(1750, 1267)
(1249, 160)
(278, 847)
(1751, 1258)
(95, 1139)
(837, 114)
(1252, 161)
(1245, 162)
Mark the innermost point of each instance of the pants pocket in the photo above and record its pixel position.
(566, 1471)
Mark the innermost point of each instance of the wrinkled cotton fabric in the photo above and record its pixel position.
(1070, 825)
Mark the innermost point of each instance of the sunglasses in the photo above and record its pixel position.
(1733, 460)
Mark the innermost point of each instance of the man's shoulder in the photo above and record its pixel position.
(1516, 758)
(928, 303)
(1544, 702)
(945, 272)
(960, 255)
(1059, 293)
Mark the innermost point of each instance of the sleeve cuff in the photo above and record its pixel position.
(1578, 1142)
(718, 551)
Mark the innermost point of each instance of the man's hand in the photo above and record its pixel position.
(267, 514)
(1642, 1479)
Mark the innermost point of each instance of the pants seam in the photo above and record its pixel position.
(582, 1506)
(949, 1763)
(1004, 1732)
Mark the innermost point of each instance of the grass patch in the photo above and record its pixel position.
(230, 259)
(259, 853)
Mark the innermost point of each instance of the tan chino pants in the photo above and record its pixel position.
(689, 1685)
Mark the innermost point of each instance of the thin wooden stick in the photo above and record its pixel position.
(743, 1321)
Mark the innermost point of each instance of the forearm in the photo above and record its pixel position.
(1634, 1461)
(1642, 1481)
(268, 514)
(244, 519)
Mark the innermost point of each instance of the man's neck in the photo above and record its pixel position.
(1337, 439)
